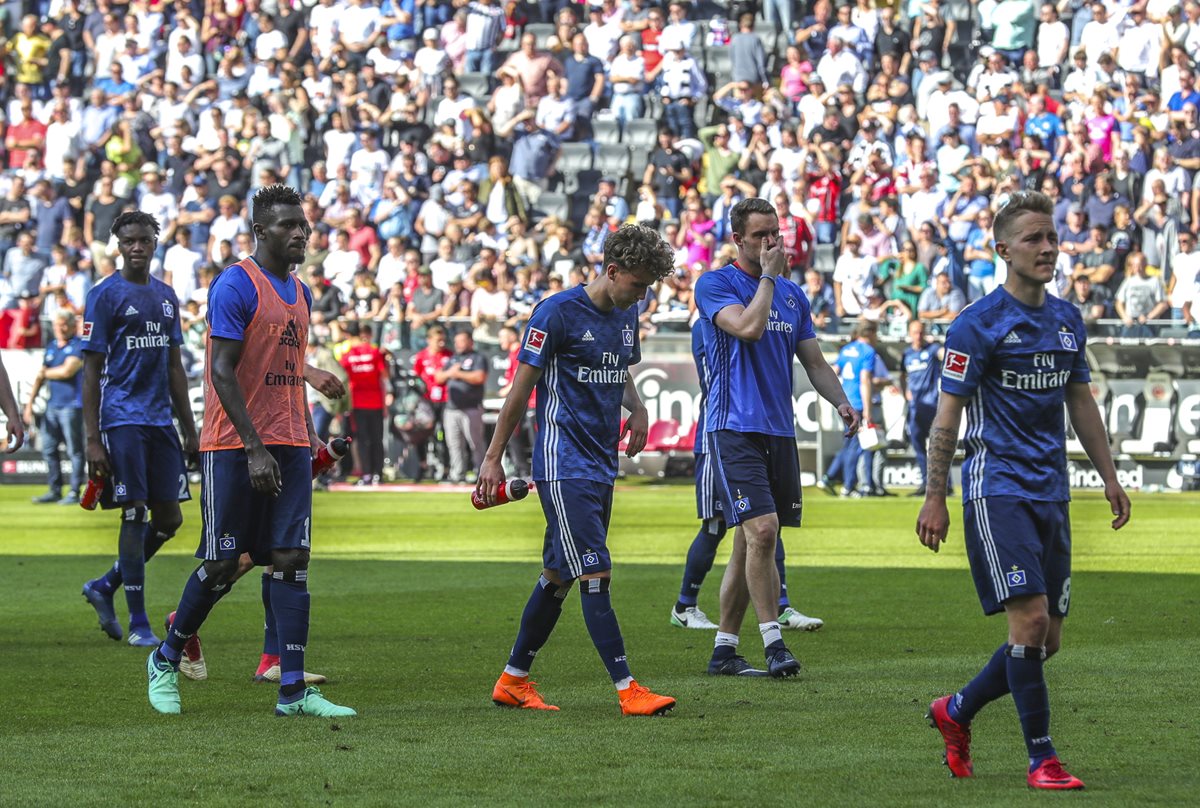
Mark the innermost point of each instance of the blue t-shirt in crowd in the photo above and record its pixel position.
(855, 357)
(135, 327)
(750, 383)
(922, 372)
(64, 392)
(585, 355)
(1014, 363)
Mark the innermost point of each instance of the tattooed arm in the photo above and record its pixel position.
(934, 519)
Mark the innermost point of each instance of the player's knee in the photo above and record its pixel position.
(595, 584)
(761, 537)
(289, 561)
(557, 580)
(167, 524)
(218, 575)
(135, 513)
(1052, 646)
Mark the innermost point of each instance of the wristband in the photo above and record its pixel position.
(770, 278)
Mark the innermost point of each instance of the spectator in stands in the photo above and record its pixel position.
(464, 375)
(25, 330)
(1091, 300)
(666, 171)
(682, 84)
(941, 301)
(62, 422)
(1140, 299)
(367, 372)
(980, 253)
(852, 278)
(23, 266)
(1099, 263)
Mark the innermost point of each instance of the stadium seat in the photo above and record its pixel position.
(541, 32)
(824, 258)
(641, 135)
(581, 182)
(552, 203)
(574, 157)
(687, 441)
(1100, 394)
(718, 62)
(1157, 418)
(613, 160)
(577, 208)
(606, 131)
(475, 85)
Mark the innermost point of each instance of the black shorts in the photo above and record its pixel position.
(757, 474)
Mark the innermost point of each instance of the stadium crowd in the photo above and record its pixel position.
(462, 160)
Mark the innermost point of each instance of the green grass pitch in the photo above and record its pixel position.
(415, 604)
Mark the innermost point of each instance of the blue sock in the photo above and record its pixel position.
(779, 565)
(195, 603)
(289, 602)
(988, 685)
(109, 581)
(131, 557)
(1027, 681)
(700, 558)
(270, 630)
(537, 621)
(152, 541)
(601, 622)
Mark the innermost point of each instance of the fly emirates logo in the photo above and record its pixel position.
(153, 338)
(611, 373)
(1045, 376)
(777, 324)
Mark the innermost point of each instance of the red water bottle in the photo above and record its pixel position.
(511, 491)
(328, 455)
(91, 494)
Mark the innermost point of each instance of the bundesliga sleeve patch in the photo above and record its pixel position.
(534, 341)
(87, 331)
(955, 366)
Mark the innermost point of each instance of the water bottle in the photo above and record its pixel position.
(511, 491)
(91, 494)
(329, 455)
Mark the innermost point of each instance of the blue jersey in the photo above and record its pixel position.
(135, 327)
(750, 383)
(855, 357)
(701, 445)
(922, 372)
(1014, 363)
(233, 300)
(584, 355)
(68, 392)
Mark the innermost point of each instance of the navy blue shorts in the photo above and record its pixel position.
(577, 514)
(147, 466)
(1019, 547)
(708, 503)
(237, 519)
(757, 474)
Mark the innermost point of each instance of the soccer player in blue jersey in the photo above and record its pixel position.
(755, 322)
(855, 365)
(703, 550)
(257, 445)
(132, 380)
(577, 350)
(1012, 360)
(920, 374)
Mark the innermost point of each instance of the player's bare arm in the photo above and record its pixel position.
(824, 379)
(637, 426)
(14, 429)
(177, 380)
(324, 382)
(264, 471)
(934, 520)
(491, 471)
(749, 322)
(1085, 418)
(97, 458)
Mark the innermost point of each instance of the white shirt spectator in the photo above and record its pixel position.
(675, 32)
(792, 161)
(340, 266)
(493, 305)
(602, 40)
(320, 92)
(681, 78)
(267, 42)
(366, 174)
(842, 68)
(177, 61)
(182, 263)
(552, 112)
(108, 47)
(443, 271)
(161, 206)
(62, 143)
(358, 23)
(325, 22)
(1053, 41)
(1099, 38)
(922, 206)
(1140, 46)
(337, 148)
(811, 112)
(1186, 268)
(628, 67)
(390, 271)
(225, 228)
(854, 273)
(453, 110)
(937, 109)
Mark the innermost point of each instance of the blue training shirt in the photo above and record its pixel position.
(584, 355)
(922, 372)
(233, 300)
(750, 383)
(1014, 363)
(135, 327)
(64, 392)
(855, 357)
(701, 445)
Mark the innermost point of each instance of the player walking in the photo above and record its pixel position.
(578, 348)
(920, 373)
(754, 322)
(1013, 359)
(132, 378)
(256, 446)
(703, 550)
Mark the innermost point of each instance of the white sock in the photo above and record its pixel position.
(511, 671)
(770, 633)
(726, 639)
(624, 683)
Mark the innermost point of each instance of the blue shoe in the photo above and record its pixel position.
(734, 666)
(143, 637)
(781, 663)
(103, 604)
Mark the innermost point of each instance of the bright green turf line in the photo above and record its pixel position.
(415, 645)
